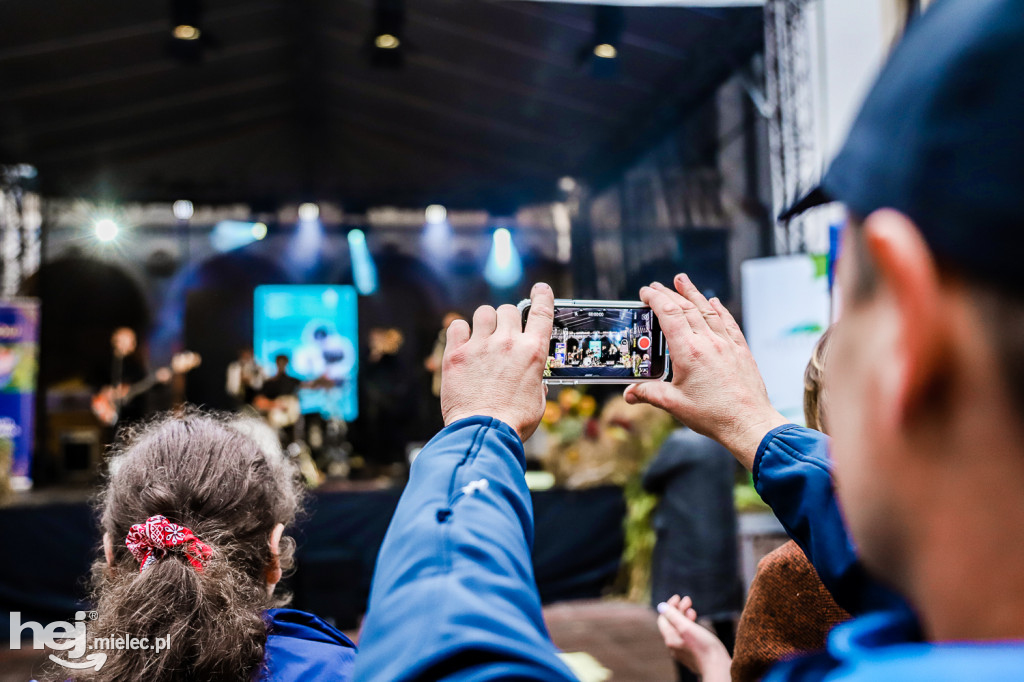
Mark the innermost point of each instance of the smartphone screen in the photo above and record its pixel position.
(604, 342)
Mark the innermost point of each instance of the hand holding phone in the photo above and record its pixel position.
(603, 342)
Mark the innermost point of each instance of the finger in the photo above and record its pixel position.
(732, 329)
(485, 319)
(674, 601)
(678, 620)
(691, 614)
(458, 334)
(685, 603)
(674, 322)
(669, 633)
(542, 312)
(686, 287)
(658, 393)
(698, 323)
(509, 321)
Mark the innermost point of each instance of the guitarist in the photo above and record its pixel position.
(277, 390)
(127, 368)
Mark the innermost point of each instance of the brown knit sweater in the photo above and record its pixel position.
(788, 612)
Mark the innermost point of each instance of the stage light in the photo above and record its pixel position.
(183, 209)
(386, 41)
(308, 212)
(504, 268)
(228, 235)
(185, 32)
(259, 231)
(106, 229)
(364, 270)
(567, 184)
(435, 214)
(605, 51)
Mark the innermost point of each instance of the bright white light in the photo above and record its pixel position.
(186, 32)
(567, 184)
(504, 267)
(364, 270)
(605, 51)
(435, 214)
(386, 41)
(106, 229)
(259, 231)
(183, 209)
(308, 212)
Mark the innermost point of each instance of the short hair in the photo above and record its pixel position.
(279, 357)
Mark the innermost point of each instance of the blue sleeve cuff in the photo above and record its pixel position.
(768, 438)
(506, 434)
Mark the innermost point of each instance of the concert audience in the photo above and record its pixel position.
(193, 518)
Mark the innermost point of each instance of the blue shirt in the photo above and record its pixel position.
(301, 646)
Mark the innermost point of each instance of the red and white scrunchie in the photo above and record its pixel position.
(150, 541)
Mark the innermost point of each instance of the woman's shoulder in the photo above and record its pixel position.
(301, 645)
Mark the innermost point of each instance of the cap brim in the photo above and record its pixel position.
(816, 197)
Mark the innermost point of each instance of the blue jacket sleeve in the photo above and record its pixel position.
(793, 475)
(453, 595)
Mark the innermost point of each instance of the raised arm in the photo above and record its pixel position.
(454, 596)
(717, 390)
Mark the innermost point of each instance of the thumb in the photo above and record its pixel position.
(657, 393)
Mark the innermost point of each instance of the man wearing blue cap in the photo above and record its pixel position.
(926, 406)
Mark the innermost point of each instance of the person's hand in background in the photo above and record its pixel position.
(497, 369)
(716, 388)
(692, 644)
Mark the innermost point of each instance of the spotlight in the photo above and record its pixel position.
(567, 184)
(364, 270)
(259, 231)
(601, 52)
(308, 212)
(435, 214)
(106, 229)
(385, 43)
(185, 32)
(504, 268)
(183, 209)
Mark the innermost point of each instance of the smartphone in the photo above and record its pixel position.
(603, 342)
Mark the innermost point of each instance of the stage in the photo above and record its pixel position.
(52, 539)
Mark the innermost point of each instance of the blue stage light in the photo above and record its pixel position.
(228, 235)
(504, 268)
(364, 270)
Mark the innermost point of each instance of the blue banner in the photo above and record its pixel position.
(19, 348)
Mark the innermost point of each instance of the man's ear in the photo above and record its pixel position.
(273, 572)
(911, 280)
(108, 550)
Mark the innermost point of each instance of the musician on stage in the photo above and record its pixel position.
(278, 399)
(128, 392)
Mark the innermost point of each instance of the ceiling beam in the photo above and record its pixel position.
(157, 26)
(144, 70)
(159, 105)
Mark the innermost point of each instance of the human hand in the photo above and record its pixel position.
(497, 370)
(690, 643)
(716, 388)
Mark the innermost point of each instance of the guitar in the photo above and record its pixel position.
(106, 404)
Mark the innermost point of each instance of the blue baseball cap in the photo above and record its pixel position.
(940, 138)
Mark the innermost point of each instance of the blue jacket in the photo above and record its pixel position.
(453, 595)
(301, 646)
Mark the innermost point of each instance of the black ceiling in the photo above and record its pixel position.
(491, 108)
